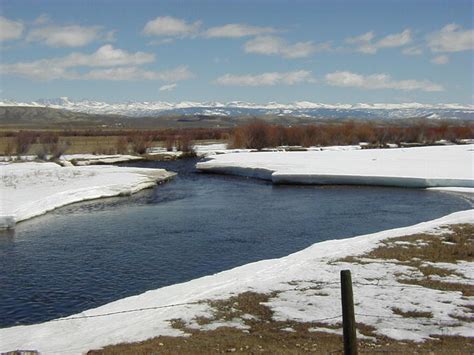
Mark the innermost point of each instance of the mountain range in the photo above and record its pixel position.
(238, 109)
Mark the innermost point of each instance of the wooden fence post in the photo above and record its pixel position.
(348, 316)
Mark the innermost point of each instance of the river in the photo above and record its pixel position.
(87, 254)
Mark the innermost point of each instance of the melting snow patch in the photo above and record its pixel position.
(32, 189)
(439, 166)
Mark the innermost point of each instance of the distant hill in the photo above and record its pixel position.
(25, 116)
(241, 109)
(63, 113)
(47, 117)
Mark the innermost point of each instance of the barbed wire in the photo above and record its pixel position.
(317, 285)
(125, 311)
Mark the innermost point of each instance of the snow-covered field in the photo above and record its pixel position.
(30, 189)
(78, 159)
(438, 166)
(307, 282)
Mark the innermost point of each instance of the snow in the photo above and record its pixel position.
(201, 150)
(92, 159)
(79, 159)
(205, 150)
(438, 166)
(461, 190)
(238, 108)
(315, 273)
(30, 189)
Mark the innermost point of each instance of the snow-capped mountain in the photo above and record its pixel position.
(239, 108)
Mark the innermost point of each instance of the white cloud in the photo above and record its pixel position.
(271, 45)
(42, 20)
(412, 51)
(105, 56)
(236, 30)
(168, 87)
(137, 74)
(124, 67)
(67, 36)
(38, 70)
(10, 29)
(365, 44)
(365, 37)
(266, 79)
(395, 40)
(440, 59)
(378, 81)
(451, 38)
(109, 36)
(160, 42)
(171, 27)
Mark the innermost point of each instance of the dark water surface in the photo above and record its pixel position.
(88, 254)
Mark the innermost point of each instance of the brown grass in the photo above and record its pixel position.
(412, 314)
(431, 247)
(267, 336)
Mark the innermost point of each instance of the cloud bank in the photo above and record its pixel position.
(378, 81)
(10, 29)
(266, 79)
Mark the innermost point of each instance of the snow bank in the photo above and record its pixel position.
(92, 159)
(79, 159)
(205, 150)
(32, 189)
(440, 166)
(316, 266)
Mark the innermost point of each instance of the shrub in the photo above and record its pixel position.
(9, 149)
(42, 152)
(169, 143)
(24, 140)
(184, 143)
(122, 145)
(57, 149)
(259, 135)
(140, 142)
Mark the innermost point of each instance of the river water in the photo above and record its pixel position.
(87, 254)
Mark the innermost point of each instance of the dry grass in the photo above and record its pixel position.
(96, 144)
(429, 247)
(267, 336)
(412, 314)
(76, 145)
(456, 244)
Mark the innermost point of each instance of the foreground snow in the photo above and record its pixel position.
(31, 189)
(439, 166)
(309, 291)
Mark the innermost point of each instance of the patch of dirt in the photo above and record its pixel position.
(266, 336)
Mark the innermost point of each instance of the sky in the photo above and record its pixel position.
(258, 51)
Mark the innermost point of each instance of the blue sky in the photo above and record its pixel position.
(259, 51)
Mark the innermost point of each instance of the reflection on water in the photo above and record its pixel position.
(87, 254)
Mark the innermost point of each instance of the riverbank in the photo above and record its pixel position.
(31, 189)
(422, 167)
(301, 288)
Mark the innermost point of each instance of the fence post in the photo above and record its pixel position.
(348, 316)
